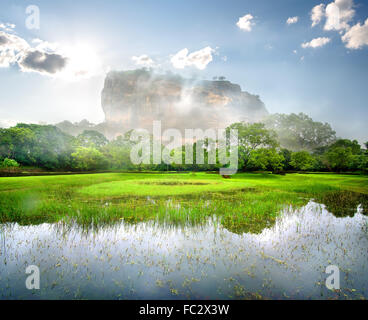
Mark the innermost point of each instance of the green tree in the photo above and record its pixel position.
(346, 143)
(359, 163)
(287, 158)
(88, 158)
(344, 154)
(117, 152)
(254, 135)
(9, 165)
(339, 158)
(302, 160)
(50, 147)
(251, 137)
(299, 132)
(265, 159)
(16, 143)
(363, 164)
(91, 138)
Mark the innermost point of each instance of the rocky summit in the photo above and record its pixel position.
(133, 99)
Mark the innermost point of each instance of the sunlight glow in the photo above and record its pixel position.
(83, 62)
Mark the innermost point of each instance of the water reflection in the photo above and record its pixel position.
(207, 261)
(344, 204)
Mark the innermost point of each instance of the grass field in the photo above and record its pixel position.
(246, 202)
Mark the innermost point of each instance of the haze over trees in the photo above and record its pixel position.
(283, 143)
(299, 132)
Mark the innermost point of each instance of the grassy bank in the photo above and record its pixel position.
(246, 202)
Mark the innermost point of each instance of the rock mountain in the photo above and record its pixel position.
(133, 99)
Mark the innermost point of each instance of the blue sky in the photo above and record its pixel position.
(328, 82)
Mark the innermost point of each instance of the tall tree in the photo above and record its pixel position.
(252, 136)
(265, 159)
(339, 158)
(15, 143)
(346, 143)
(91, 138)
(302, 160)
(299, 132)
(88, 158)
(50, 147)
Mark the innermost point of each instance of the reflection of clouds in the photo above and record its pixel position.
(290, 256)
(311, 220)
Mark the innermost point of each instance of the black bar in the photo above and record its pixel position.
(193, 309)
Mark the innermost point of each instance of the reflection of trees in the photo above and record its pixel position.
(254, 227)
(344, 203)
(255, 223)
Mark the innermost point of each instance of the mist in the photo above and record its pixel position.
(134, 99)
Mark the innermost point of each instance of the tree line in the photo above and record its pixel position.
(282, 143)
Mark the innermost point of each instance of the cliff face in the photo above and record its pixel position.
(133, 99)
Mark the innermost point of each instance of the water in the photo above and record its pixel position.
(150, 261)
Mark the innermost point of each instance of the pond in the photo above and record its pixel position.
(148, 260)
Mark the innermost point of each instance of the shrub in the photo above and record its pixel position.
(9, 165)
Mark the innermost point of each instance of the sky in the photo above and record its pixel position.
(298, 56)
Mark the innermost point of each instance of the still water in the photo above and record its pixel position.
(151, 261)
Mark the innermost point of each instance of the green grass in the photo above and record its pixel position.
(160, 187)
(244, 203)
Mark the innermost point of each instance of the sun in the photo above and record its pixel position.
(83, 61)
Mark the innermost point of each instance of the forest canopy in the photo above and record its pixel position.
(283, 143)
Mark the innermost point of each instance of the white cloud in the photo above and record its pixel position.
(68, 62)
(42, 62)
(80, 60)
(15, 50)
(338, 14)
(9, 27)
(315, 43)
(143, 60)
(179, 60)
(46, 46)
(357, 36)
(6, 58)
(245, 23)
(6, 123)
(199, 59)
(317, 13)
(292, 20)
(11, 47)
